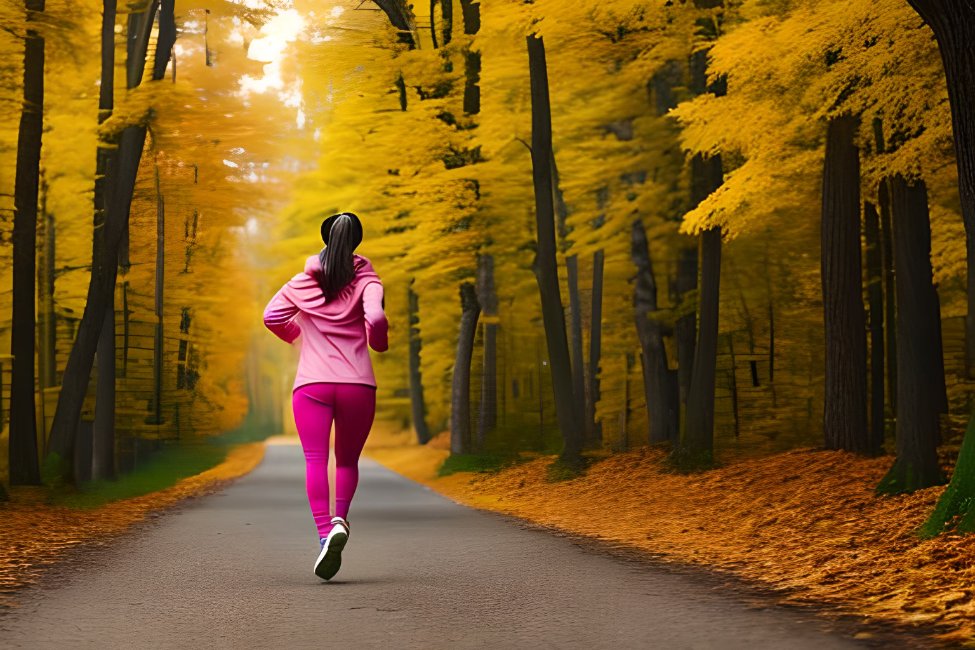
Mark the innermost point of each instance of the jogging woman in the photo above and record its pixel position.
(336, 308)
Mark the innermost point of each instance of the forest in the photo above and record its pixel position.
(721, 228)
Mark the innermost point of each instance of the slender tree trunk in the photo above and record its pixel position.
(104, 270)
(890, 298)
(545, 268)
(155, 417)
(24, 466)
(472, 58)
(875, 291)
(103, 432)
(685, 327)
(845, 398)
(595, 432)
(658, 383)
(917, 464)
(460, 410)
(416, 377)
(698, 439)
(578, 362)
(488, 419)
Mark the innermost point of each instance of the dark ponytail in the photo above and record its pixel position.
(337, 267)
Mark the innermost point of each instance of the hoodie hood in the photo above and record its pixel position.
(306, 293)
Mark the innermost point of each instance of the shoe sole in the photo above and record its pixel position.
(330, 559)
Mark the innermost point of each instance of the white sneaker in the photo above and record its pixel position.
(330, 558)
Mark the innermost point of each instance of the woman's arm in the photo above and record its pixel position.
(279, 317)
(376, 323)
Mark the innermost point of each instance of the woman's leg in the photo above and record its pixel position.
(355, 408)
(313, 410)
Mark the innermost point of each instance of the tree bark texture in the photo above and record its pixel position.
(875, 293)
(460, 396)
(575, 337)
(698, 439)
(24, 460)
(845, 393)
(658, 381)
(917, 464)
(546, 271)
(488, 416)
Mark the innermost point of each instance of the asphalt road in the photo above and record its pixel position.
(234, 570)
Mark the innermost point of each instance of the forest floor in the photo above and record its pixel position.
(804, 524)
(34, 534)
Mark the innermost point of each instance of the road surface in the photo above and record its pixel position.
(234, 570)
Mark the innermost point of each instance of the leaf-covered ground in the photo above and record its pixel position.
(34, 534)
(804, 523)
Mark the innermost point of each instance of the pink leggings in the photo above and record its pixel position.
(352, 407)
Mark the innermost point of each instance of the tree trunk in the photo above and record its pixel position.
(460, 410)
(685, 327)
(595, 432)
(845, 398)
(890, 298)
(472, 59)
(698, 440)
(24, 466)
(546, 271)
(875, 291)
(953, 24)
(578, 362)
(155, 415)
(101, 286)
(416, 377)
(103, 432)
(917, 464)
(400, 14)
(657, 378)
(488, 419)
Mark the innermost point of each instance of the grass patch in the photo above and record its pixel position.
(165, 468)
(477, 463)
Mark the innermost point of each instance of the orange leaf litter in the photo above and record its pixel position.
(35, 535)
(804, 523)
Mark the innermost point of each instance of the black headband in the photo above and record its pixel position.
(356, 227)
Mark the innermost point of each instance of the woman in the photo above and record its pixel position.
(336, 307)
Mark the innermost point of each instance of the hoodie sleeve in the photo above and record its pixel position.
(279, 317)
(376, 323)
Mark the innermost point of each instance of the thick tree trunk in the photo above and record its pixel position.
(545, 268)
(488, 419)
(575, 329)
(845, 398)
(460, 410)
(24, 465)
(875, 292)
(104, 269)
(698, 440)
(917, 464)
(417, 402)
(472, 59)
(594, 431)
(658, 380)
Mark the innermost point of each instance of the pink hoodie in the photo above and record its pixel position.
(336, 333)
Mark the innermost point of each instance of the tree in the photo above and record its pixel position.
(24, 467)
(845, 410)
(101, 287)
(545, 267)
(460, 411)
(918, 340)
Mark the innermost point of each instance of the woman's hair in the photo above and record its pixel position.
(337, 267)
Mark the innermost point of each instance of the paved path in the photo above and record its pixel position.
(234, 570)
